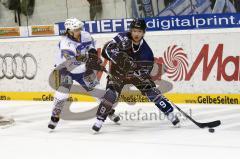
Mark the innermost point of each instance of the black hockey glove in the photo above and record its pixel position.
(94, 62)
(83, 57)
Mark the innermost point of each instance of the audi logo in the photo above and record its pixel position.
(18, 66)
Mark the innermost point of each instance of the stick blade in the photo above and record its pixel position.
(212, 124)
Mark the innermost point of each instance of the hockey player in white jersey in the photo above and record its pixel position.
(77, 60)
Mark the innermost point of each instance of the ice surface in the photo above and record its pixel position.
(138, 138)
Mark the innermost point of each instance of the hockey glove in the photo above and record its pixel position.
(94, 62)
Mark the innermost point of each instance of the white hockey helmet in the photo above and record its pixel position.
(73, 23)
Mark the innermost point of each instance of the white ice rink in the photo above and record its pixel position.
(29, 138)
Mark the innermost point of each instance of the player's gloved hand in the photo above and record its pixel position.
(94, 58)
(94, 63)
(125, 62)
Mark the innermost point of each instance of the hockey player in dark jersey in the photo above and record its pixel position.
(131, 63)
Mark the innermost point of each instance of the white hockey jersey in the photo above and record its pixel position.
(73, 49)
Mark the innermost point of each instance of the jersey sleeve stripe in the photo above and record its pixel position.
(69, 52)
(108, 53)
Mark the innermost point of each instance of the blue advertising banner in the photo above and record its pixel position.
(186, 22)
(198, 21)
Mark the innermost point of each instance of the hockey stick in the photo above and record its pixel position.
(200, 125)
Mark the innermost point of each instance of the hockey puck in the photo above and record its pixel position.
(211, 130)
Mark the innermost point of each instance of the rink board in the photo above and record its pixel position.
(189, 65)
(127, 97)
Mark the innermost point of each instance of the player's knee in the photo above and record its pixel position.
(153, 94)
(160, 101)
(66, 82)
(90, 80)
(110, 96)
(62, 78)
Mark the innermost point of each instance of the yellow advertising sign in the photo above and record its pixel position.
(43, 30)
(9, 31)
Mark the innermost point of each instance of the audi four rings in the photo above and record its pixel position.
(18, 66)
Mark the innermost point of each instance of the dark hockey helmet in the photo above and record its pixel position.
(138, 24)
